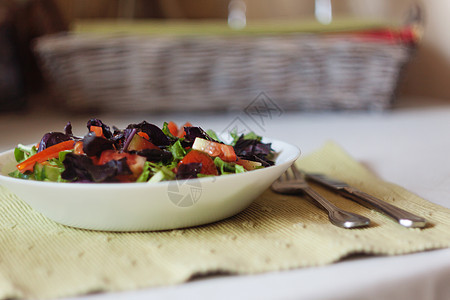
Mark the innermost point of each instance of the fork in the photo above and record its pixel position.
(295, 183)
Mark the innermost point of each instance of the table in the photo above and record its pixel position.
(408, 146)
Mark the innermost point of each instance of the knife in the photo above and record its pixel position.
(403, 217)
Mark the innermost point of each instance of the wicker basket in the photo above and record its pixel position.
(162, 73)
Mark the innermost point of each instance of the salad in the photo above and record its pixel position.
(141, 152)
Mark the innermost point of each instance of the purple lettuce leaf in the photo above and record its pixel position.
(155, 155)
(192, 133)
(96, 122)
(187, 171)
(265, 162)
(68, 129)
(94, 146)
(80, 168)
(118, 138)
(251, 147)
(155, 134)
(254, 150)
(52, 138)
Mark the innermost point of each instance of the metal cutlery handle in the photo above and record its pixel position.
(336, 215)
(403, 217)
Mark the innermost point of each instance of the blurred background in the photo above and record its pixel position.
(116, 51)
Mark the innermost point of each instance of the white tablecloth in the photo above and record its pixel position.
(407, 146)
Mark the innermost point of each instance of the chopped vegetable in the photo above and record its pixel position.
(154, 133)
(227, 167)
(138, 143)
(195, 156)
(94, 145)
(156, 155)
(214, 149)
(106, 131)
(181, 130)
(52, 138)
(97, 130)
(195, 132)
(213, 134)
(168, 132)
(22, 152)
(190, 170)
(81, 168)
(135, 162)
(143, 135)
(177, 150)
(44, 155)
(78, 148)
(154, 173)
(173, 128)
(249, 164)
(254, 150)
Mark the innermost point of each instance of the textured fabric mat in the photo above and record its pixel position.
(42, 259)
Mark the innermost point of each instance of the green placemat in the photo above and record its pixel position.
(42, 259)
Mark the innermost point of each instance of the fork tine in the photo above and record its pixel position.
(287, 175)
(292, 182)
(296, 172)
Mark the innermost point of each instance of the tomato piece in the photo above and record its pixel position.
(178, 132)
(248, 164)
(194, 156)
(139, 143)
(214, 149)
(173, 128)
(134, 161)
(109, 155)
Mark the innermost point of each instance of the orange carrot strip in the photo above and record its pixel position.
(144, 135)
(48, 153)
(98, 131)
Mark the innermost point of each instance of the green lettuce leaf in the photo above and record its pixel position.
(228, 168)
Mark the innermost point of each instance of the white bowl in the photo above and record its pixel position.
(147, 206)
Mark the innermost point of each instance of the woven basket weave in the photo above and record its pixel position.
(162, 73)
